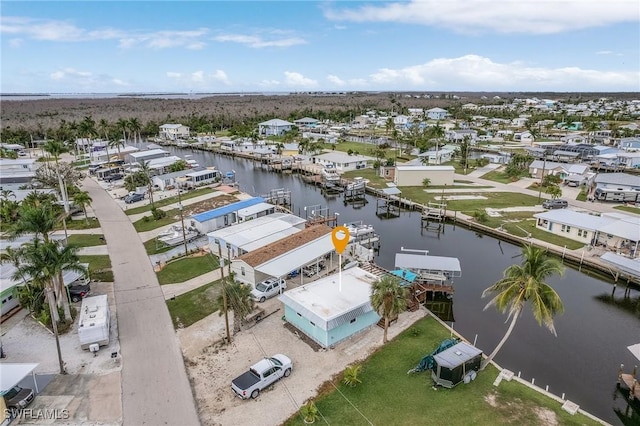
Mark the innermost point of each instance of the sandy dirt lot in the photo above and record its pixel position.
(212, 365)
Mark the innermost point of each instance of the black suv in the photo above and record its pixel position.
(113, 177)
(78, 291)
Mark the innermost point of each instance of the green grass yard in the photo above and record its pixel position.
(187, 268)
(628, 209)
(171, 200)
(497, 176)
(495, 200)
(81, 223)
(86, 240)
(194, 305)
(147, 223)
(99, 267)
(154, 247)
(388, 395)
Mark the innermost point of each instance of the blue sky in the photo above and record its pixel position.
(267, 46)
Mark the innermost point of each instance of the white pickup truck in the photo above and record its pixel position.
(261, 374)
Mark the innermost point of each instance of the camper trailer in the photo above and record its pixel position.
(95, 321)
(457, 364)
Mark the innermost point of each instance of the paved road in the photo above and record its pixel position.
(155, 387)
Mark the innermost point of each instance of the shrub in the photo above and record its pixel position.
(351, 375)
(309, 412)
(158, 213)
(480, 216)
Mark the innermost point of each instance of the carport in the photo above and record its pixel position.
(299, 257)
(13, 373)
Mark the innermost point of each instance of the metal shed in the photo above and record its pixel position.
(457, 364)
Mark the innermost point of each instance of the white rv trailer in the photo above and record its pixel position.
(95, 321)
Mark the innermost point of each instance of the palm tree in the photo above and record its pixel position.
(388, 299)
(82, 199)
(554, 190)
(239, 301)
(123, 125)
(63, 258)
(117, 143)
(144, 168)
(87, 127)
(6, 194)
(39, 220)
(36, 264)
(56, 148)
(526, 283)
(103, 126)
(134, 127)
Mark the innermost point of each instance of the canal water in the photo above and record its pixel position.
(592, 335)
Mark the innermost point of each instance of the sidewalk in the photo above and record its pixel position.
(172, 290)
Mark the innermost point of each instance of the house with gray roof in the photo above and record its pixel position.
(617, 181)
(437, 114)
(539, 168)
(173, 132)
(614, 231)
(274, 127)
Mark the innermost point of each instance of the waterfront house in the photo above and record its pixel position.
(252, 234)
(439, 156)
(172, 132)
(460, 135)
(280, 258)
(414, 175)
(200, 177)
(614, 231)
(140, 156)
(103, 153)
(169, 180)
(332, 309)
(437, 114)
(342, 161)
(274, 127)
(306, 122)
(629, 144)
(222, 216)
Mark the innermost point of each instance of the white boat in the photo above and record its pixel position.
(330, 174)
(357, 184)
(361, 232)
(173, 235)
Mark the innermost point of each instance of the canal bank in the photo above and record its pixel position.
(593, 333)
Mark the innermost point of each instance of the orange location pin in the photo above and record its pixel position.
(340, 238)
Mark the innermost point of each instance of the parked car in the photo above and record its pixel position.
(268, 288)
(555, 204)
(260, 375)
(79, 291)
(133, 197)
(113, 177)
(18, 398)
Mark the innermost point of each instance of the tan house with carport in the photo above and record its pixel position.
(406, 175)
(284, 256)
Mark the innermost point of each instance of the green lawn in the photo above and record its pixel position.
(375, 181)
(187, 268)
(493, 199)
(81, 224)
(154, 247)
(170, 200)
(628, 209)
(143, 225)
(99, 267)
(366, 149)
(86, 240)
(191, 307)
(388, 395)
(497, 177)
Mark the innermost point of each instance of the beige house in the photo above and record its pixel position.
(415, 175)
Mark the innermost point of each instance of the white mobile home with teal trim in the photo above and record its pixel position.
(331, 310)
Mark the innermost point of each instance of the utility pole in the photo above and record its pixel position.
(224, 292)
(184, 237)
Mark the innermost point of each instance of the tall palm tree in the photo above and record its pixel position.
(87, 128)
(117, 143)
(135, 127)
(239, 301)
(123, 125)
(103, 127)
(144, 167)
(388, 298)
(526, 283)
(36, 263)
(55, 148)
(82, 199)
(63, 258)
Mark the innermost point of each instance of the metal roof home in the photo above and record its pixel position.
(617, 179)
(229, 208)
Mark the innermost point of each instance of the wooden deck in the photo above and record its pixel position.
(632, 384)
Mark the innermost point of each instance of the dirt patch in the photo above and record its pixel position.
(546, 416)
(209, 204)
(306, 339)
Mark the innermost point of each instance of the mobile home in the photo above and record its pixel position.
(95, 321)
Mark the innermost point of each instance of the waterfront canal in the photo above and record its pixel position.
(593, 333)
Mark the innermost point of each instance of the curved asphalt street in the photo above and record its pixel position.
(155, 387)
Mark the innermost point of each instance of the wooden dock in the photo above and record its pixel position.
(631, 383)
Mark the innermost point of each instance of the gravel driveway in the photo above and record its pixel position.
(211, 366)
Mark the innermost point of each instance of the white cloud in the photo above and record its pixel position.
(70, 73)
(199, 78)
(604, 52)
(258, 42)
(221, 76)
(334, 79)
(500, 16)
(269, 83)
(473, 72)
(120, 83)
(86, 80)
(16, 42)
(295, 79)
(172, 74)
